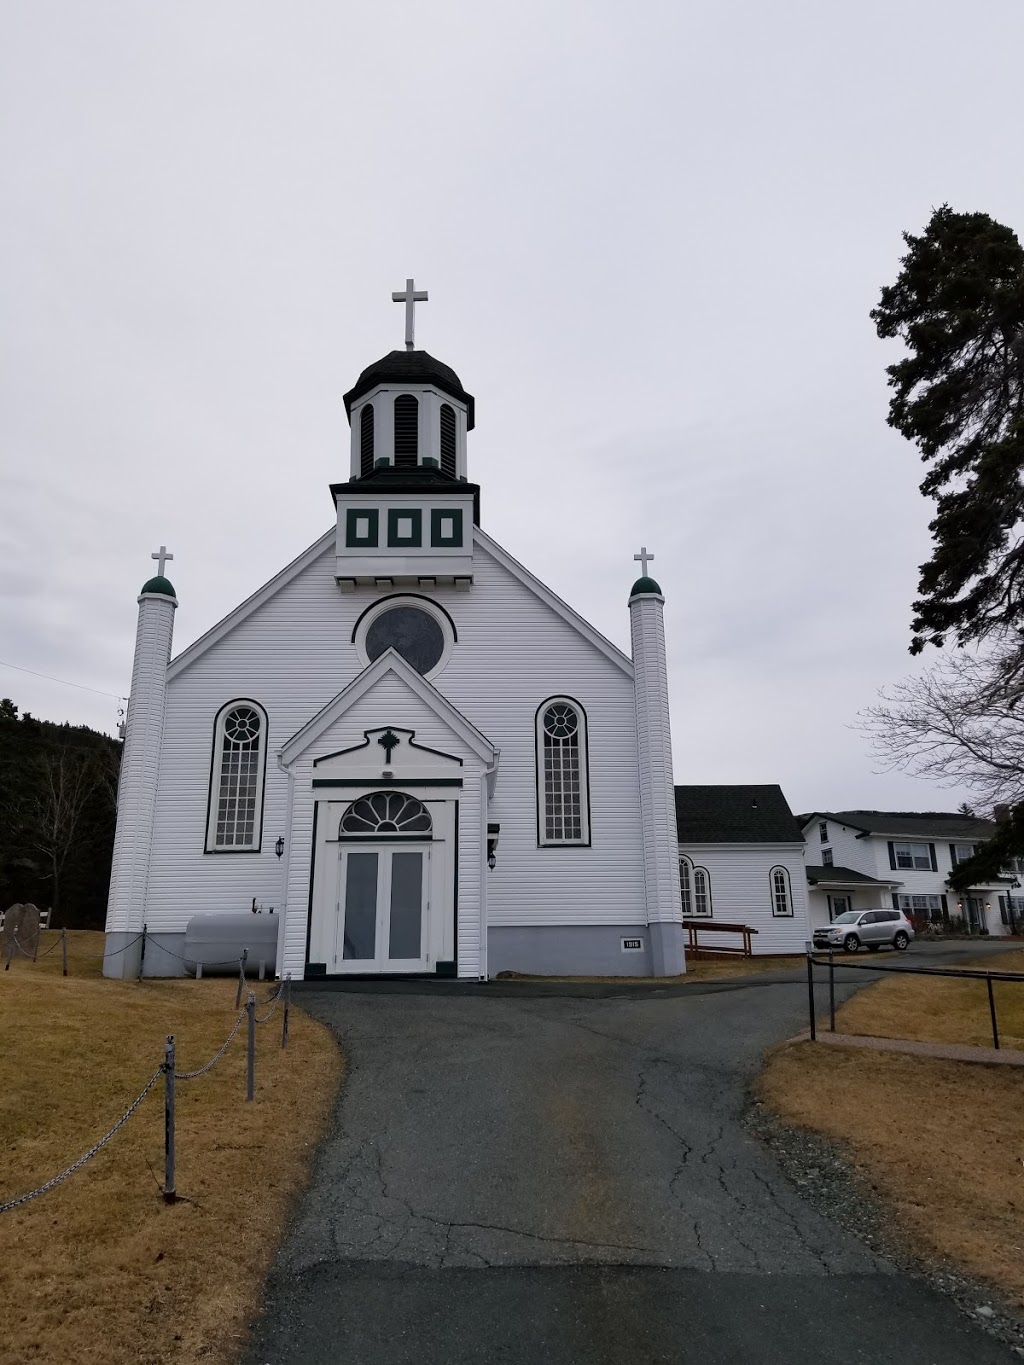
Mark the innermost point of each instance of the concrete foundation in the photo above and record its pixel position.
(668, 957)
(122, 955)
(570, 950)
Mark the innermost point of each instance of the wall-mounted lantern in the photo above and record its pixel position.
(492, 845)
(279, 846)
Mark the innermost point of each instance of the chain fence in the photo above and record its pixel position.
(168, 1070)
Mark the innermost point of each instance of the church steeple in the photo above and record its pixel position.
(407, 512)
(409, 410)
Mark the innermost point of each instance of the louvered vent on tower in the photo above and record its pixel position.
(448, 439)
(366, 441)
(407, 421)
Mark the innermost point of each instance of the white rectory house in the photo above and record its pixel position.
(416, 753)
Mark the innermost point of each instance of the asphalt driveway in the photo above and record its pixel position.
(516, 1178)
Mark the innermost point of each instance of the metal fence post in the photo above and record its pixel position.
(64, 951)
(10, 954)
(169, 1192)
(241, 977)
(287, 1002)
(810, 991)
(992, 1013)
(250, 1068)
(831, 990)
(142, 952)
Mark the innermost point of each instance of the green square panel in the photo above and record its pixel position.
(446, 527)
(362, 526)
(405, 527)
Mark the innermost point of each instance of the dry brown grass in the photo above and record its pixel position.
(101, 1269)
(933, 1009)
(703, 969)
(943, 1143)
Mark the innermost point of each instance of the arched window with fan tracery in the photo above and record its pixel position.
(386, 813)
(563, 795)
(234, 822)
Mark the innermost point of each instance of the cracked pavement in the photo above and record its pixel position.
(562, 1179)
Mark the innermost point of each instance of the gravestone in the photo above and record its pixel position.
(11, 929)
(28, 934)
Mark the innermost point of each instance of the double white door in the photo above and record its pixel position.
(383, 909)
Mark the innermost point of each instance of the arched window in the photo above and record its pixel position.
(366, 441)
(236, 780)
(782, 896)
(563, 814)
(407, 431)
(448, 439)
(686, 886)
(702, 891)
(385, 813)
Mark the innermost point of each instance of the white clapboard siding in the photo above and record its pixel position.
(741, 892)
(293, 653)
(847, 849)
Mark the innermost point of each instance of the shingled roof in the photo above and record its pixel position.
(735, 815)
(918, 824)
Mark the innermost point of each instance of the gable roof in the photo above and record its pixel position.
(552, 600)
(735, 815)
(920, 824)
(388, 662)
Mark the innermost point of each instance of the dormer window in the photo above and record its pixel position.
(448, 439)
(366, 441)
(407, 431)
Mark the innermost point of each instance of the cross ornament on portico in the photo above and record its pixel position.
(643, 558)
(410, 296)
(161, 556)
(388, 741)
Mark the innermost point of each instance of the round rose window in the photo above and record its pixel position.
(412, 632)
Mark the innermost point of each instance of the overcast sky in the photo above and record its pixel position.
(651, 234)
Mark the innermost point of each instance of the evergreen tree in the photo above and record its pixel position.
(958, 305)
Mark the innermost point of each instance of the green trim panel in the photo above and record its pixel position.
(353, 516)
(437, 539)
(400, 782)
(415, 516)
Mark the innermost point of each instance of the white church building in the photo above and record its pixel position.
(420, 756)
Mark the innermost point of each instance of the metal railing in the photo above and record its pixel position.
(973, 973)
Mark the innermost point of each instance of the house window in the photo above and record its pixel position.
(782, 899)
(236, 779)
(959, 853)
(563, 816)
(826, 857)
(448, 439)
(823, 831)
(929, 907)
(407, 431)
(366, 441)
(685, 886)
(702, 892)
(913, 856)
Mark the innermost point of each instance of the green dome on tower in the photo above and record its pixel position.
(643, 585)
(159, 584)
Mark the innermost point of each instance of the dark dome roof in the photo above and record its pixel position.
(411, 367)
(159, 584)
(644, 585)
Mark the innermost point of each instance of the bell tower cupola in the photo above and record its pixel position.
(406, 514)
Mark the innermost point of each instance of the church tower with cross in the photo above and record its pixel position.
(405, 746)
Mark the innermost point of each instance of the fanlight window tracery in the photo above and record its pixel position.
(237, 779)
(562, 773)
(386, 813)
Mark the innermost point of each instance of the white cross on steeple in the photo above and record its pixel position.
(410, 296)
(161, 555)
(643, 558)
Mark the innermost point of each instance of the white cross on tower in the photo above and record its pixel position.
(410, 296)
(161, 555)
(643, 558)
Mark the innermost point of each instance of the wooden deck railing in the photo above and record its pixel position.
(696, 949)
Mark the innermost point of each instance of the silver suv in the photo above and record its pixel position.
(870, 927)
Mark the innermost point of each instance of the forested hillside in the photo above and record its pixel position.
(58, 798)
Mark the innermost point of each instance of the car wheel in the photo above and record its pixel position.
(851, 943)
(901, 942)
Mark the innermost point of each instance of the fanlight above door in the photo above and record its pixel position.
(386, 813)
